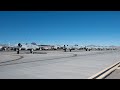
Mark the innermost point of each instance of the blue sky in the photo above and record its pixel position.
(60, 27)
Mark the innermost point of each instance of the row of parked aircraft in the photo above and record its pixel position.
(23, 47)
(34, 46)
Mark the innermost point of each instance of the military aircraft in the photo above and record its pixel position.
(25, 46)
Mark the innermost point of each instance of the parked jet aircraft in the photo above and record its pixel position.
(24, 46)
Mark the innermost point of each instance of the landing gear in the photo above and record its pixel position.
(31, 51)
(18, 51)
(64, 50)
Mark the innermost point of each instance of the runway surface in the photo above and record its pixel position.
(55, 64)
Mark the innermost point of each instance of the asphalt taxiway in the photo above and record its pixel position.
(55, 64)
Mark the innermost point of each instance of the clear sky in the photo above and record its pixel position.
(60, 27)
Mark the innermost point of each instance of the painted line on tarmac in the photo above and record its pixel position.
(104, 73)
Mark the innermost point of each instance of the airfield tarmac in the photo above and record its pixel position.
(55, 64)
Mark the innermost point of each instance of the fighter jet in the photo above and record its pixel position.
(71, 47)
(31, 46)
(56, 47)
(23, 46)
